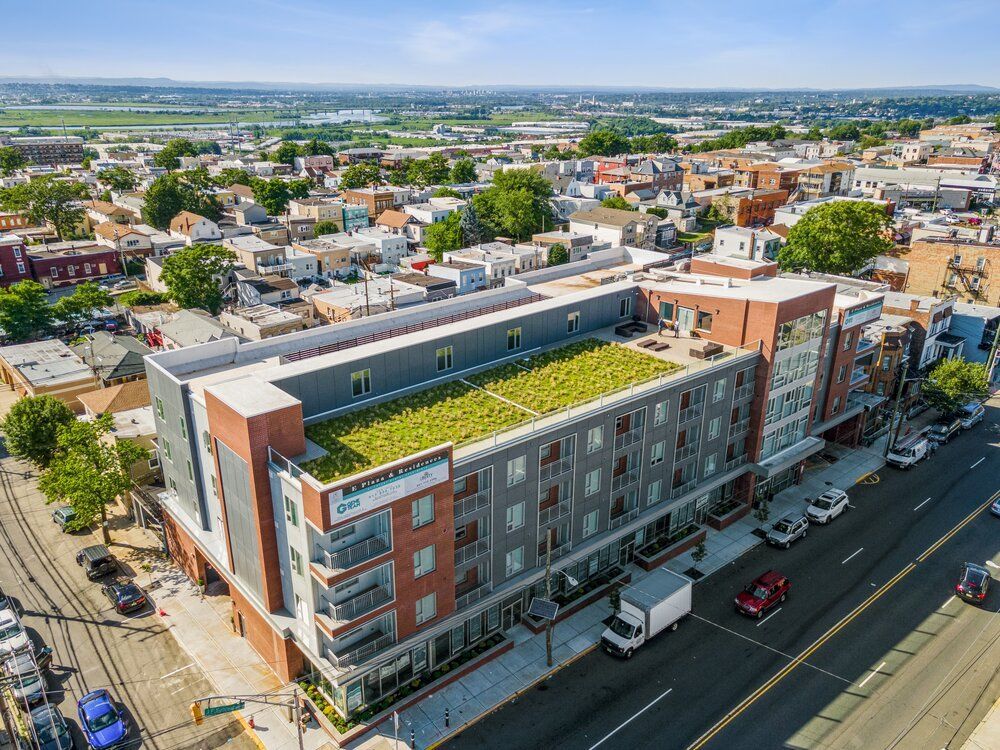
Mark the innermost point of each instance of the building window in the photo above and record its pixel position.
(513, 339)
(516, 471)
(184, 429)
(880, 389)
(167, 450)
(667, 310)
(595, 439)
(444, 358)
(590, 524)
(423, 511)
(714, 427)
(654, 495)
(159, 407)
(660, 413)
(841, 373)
(296, 558)
(361, 383)
(572, 322)
(710, 465)
(190, 471)
(423, 561)
(514, 561)
(718, 390)
(426, 608)
(624, 307)
(656, 455)
(704, 321)
(848, 340)
(515, 517)
(836, 405)
(592, 482)
(291, 511)
(886, 361)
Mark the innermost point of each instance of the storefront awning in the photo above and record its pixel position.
(788, 457)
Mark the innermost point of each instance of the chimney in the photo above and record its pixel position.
(914, 304)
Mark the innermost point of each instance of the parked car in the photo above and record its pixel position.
(971, 414)
(828, 506)
(50, 728)
(764, 593)
(63, 515)
(787, 530)
(97, 561)
(13, 637)
(944, 430)
(103, 724)
(995, 507)
(5, 601)
(26, 681)
(657, 602)
(125, 596)
(973, 583)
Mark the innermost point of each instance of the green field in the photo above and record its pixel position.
(53, 118)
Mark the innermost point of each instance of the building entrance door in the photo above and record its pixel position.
(511, 615)
(685, 319)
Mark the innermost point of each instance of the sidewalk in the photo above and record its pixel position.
(987, 734)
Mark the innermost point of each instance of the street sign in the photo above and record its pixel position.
(543, 609)
(225, 708)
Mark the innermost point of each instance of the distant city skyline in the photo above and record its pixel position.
(647, 43)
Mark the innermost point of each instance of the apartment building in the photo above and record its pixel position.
(380, 495)
(750, 208)
(826, 179)
(14, 262)
(945, 267)
(376, 200)
(48, 149)
(618, 227)
(930, 326)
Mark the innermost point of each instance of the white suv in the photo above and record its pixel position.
(787, 530)
(828, 506)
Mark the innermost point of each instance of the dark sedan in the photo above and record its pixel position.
(126, 597)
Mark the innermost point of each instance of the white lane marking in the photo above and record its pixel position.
(922, 504)
(852, 556)
(634, 716)
(950, 600)
(873, 673)
(179, 669)
(978, 462)
(769, 616)
(992, 564)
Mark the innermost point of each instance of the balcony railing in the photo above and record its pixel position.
(554, 469)
(858, 376)
(977, 266)
(554, 513)
(734, 462)
(472, 503)
(692, 412)
(356, 554)
(623, 518)
(360, 654)
(741, 426)
(744, 391)
(464, 600)
(685, 451)
(361, 604)
(471, 551)
(683, 488)
(865, 345)
(628, 438)
(625, 479)
(557, 552)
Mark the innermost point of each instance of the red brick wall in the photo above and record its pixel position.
(281, 654)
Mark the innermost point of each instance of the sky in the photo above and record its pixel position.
(668, 43)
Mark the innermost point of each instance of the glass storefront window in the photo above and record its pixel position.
(493, 618)
(442, 649)
(475, 628)
(353, 696)
(419, 658)
(457, 639)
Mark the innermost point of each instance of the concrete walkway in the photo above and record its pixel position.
(987, 735)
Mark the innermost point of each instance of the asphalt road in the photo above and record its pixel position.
(872, 587)
(134, 656)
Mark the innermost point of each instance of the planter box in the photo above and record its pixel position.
(654, 560)
(726, 519)
(342, 738)
(538, 626)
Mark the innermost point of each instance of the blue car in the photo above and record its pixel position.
(102, 723)
(995, 507)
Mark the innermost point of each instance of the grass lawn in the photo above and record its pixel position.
(456, 412)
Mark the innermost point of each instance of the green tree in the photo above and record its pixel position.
(616, 201)
(88, 472)
(87, 298)
(603, 143)
(48, 200)
(952, 383)
(908, 128)
(444, 236)
(271, 194)
(430, 171)
(516, 205)
(557, 255)
(285, 153)
(869, 141)
(360, 176)
(168, 157)
(447, 192)
(194, 276)
(845, 131)
(141, 298)
(316, 147)
(207, 147)
(325, 227)
(740, 137)
(31, 426)
(24, 310)
(657, 143)
(473, 232)
(700, 552)
(119, 179)
(11, 160)
(299, 188)
(198, 178)
(840, 237)
(463, 171)
(169, 195)
(231, 176)
(960, 120)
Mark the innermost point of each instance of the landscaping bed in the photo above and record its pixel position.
(727, 515)
(583, 596)
(656, 553)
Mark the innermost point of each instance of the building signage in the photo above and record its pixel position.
(369, 494)
(863, 314)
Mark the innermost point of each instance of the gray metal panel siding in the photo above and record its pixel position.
(240, 519)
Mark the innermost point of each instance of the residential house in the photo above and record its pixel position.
(577, 244)
(114, 359)
(194, 229)
(468, 277)
(248, 214)
(260, 256)
(376, 200)
(127, 240)
(618, 227)
(65, 263)
(944, 267)
(48, 368)
(380, 294)
(14, 261)
(99, 212)
(824, 180)
(428, 213)
(493, 256)
(932, 339)
(333, 260)
(389, 248)
(253, 290)
(434, 288)
(191, 327)
(133, 394)
(748, 208)
(262, 321)
(743, 242)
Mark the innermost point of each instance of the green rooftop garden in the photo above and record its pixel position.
(457, 412)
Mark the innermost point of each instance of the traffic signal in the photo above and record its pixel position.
(196, 713)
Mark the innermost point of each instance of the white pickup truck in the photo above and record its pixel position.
(657, 602)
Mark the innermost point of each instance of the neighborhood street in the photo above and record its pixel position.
(870, 649)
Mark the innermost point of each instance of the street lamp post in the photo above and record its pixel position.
(548, 593)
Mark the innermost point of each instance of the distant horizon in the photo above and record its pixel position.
(839, 45)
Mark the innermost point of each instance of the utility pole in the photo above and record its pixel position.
(893, 433)
(991, 361)
(548, 594)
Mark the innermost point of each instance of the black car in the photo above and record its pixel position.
(97, 561)
(973, 583)
(125, 596)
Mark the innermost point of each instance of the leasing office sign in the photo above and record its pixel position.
(371, 493)
(863, 314)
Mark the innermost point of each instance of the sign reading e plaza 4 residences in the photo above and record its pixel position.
(369, 494)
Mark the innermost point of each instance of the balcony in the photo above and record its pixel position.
(866, 345)
(623, 518)
(469, 505)
(272, 268)
(738, 427)
(858, 377)
(471, 551)
(554, 469)
(744, 391)
(553, 513)
(682, 489)
(737, 461)
(557, 552)
(361, 604)
(685, 451)
(348, 557)
(692, 412)
(473, 595)
(625, 479)
(977, 266)
(628, 438)
(361, 651)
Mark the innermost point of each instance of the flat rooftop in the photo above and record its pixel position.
(760, 288)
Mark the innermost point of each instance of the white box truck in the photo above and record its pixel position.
(655, 603)
(909, 451)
